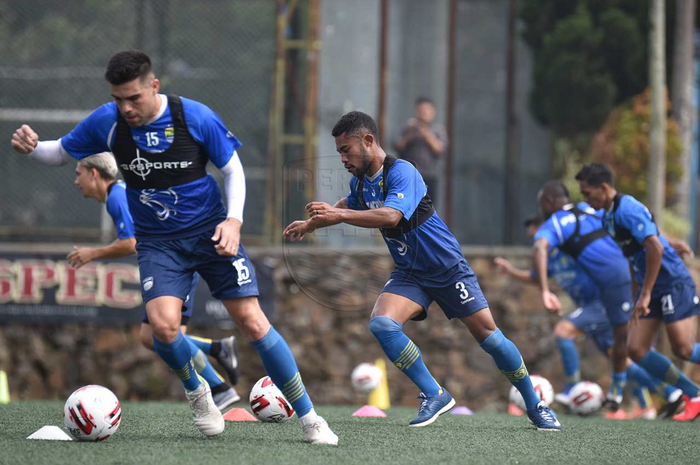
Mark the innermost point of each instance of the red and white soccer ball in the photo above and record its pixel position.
(92, 413)
(586, 398)
(543, 389)
(366, 377)
(268, 403)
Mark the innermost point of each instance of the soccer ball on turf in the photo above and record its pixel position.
(586, 398)
(268, 403)
(366, 377)
(543, 389)
(92, 413)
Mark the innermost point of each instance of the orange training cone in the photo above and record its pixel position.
(239, 414)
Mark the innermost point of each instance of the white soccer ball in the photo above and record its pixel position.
(543, 389)
(268, 403)
(586, 398)
(92, 413)
(366, 377)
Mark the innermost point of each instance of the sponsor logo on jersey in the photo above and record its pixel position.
(142, 167)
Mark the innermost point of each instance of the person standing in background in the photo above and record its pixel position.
(423, 142)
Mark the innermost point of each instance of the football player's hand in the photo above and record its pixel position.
(297, 230)
(323, 214)
(551, 302)
(80, 256)
(682, 248)
(227, 237)
(641, 306)
(504, 266)
(24, 140)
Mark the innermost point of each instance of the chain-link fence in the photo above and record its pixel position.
(52, 61)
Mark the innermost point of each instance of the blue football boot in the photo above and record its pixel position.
(432, 407)
(544, 418)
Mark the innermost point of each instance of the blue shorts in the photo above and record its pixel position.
(592, 320)
(457, 292)
(187, 305)
(677, 302)
(168, 267)
(618, 304)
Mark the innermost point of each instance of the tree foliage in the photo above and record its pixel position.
(589, 55)
(623, 144)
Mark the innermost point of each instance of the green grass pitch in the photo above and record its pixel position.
(161, 433)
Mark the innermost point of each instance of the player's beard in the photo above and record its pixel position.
(366, 160)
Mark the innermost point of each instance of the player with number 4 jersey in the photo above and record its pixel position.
(390, 194)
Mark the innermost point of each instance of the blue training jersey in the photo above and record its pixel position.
(602, 259)
(428, 250)
(571, 277)
(180, 211)
(118, 209)
(633, 216)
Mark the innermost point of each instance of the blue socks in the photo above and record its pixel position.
(403, 353)
(201, 343)
(510, 362)
(661, 367)
(178, 356)
(695, 355)
(203, 367)
(282, 368)
(570, 360)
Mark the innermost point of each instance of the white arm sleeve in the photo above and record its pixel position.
(234, 187)
(50, 152)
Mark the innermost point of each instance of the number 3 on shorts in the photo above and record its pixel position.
(462, 288)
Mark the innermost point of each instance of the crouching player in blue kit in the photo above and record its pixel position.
(666, 291)
(591, 320)
(162, 144)
(96, 179)
(576, 231)
(390, 194)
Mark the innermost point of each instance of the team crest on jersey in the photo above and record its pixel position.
(170, 134)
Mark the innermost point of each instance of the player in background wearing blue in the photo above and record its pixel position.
(590, 319)
(162, 144)
(96, 178)
(390, 194)
(576, 231)
(666, 290)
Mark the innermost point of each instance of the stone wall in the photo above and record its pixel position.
(324, 298)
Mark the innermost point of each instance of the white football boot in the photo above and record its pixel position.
(207, 416)
(317, 431)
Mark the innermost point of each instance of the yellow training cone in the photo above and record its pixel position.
(380, 396)
(4, 388)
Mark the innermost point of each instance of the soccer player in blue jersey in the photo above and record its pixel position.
(162, 144)
(589, 319)
(390, 194)
(666, 291)
(577, 231)
(96, 178)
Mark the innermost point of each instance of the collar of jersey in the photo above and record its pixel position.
(161, 110)
(374, 176)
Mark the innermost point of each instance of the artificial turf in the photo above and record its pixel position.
(162, 432)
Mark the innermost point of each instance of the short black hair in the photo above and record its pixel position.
(127, 66)
(596, 174)
(535, 220)
(421, 100)
(353, 122)
(555, 189)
